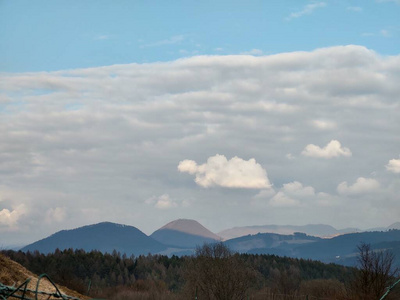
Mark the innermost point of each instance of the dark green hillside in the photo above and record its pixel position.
(343, 249)
(270, 243)
(179, 239)
(104, 237)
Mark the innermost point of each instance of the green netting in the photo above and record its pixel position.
(22, 291)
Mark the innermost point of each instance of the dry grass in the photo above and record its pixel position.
(13, 274)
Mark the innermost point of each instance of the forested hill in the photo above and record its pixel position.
(341, 249)
(104, 237)
(77, 268)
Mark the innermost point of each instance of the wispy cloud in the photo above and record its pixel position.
(307, 10)
(382, 33)
(354, 8)
(101, 37)
(394, 1)
(170, 41)
(255, 52)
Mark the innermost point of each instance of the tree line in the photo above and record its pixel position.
(214, 272)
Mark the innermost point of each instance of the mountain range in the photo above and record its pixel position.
(181, 237)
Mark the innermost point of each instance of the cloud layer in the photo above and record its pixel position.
(88, 145)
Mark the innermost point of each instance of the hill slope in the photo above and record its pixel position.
(184, 233)
(341, 249)
(104, 237)
(12, 273)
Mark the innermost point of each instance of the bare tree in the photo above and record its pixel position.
(376, 272)
(216, 273)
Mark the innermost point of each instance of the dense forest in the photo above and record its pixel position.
(116, 276)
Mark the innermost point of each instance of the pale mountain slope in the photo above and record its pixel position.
(318, 230)
(191, 227)
(185, 234)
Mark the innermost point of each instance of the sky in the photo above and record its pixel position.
(231, 113)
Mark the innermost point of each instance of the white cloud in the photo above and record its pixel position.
(283, 200)
(297, 189)
(332, 149)
(307, 10)
(265, 194)
(233, 173)
(393, 166)
(10, 218)
(163, 202)
(361, 186)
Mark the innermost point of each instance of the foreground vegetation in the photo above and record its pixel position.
(213, 273)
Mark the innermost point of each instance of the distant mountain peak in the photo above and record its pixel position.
(191, 227)
(104, 236)
(394, 226)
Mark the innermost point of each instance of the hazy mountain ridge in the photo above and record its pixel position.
(175, 239)
(319, 230)
(269, 241)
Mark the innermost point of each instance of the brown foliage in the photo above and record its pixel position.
(216, 273)
(323, 288)
(375, 274)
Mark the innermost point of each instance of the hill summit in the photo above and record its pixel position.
(184, 233)
(104, 237)
(190, 227)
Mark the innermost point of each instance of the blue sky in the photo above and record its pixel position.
(57, 35)
(231, 113)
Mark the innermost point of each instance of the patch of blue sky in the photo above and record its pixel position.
(41, 92)
(73, 106)
(10, 108)
(46, 35)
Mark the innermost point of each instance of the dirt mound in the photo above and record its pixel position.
(13, 274)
